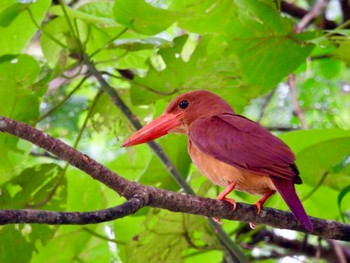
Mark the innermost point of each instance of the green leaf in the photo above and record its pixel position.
(265, 43)
(320, 155)
(343, 50)
(204, 17)
(299, 140)
(341, 195)
(19, 101)
(70, 243)
(182, 75)
(39, 186)
(11, 242)
(9, 14)
(167, 236)
(76, 14)
(142, 17)
(320, 160)
(17, 74)
(59, 42)
(16, 35)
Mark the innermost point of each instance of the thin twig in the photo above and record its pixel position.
(299, 12)
(315, 11)
(101, 236)
(297, 110)
(266, 102)
(60, 104)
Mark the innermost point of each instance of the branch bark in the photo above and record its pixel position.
(72, 218)
(159, 198)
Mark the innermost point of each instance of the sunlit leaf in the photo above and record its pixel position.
(21, 28)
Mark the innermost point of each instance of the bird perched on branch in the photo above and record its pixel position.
(230, 150)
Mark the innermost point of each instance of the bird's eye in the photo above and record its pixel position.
(184, 104)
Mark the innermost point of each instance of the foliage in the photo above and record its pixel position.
(242, 50)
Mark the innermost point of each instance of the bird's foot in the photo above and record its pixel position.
(223, 197)
(262, 200)
(260, 204)
(231, 201)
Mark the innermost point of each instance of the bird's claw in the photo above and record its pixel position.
(258, 207)
(231, 201)
(217, 220)
(252, 225)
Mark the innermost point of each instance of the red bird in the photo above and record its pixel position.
(230, 150)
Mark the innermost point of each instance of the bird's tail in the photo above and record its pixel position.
(287, 191)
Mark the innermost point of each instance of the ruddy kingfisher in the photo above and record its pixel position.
(229, 149)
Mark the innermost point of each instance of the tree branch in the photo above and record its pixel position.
(72, 218)
(171, 201)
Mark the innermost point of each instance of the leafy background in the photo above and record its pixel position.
(242, 50)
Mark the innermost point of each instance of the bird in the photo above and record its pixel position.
(231, 150)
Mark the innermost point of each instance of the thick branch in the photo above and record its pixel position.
(175, 202)
(72, 218)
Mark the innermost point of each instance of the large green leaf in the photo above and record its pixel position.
(265, 43)
(167, 236)
(19, 26)
(143, 17)
(11, 242)
(9, 14)
(299, 140)
(321, 153)
(88, 18)
(17, 99)
(200, 71)
(20, 101)
(40, 186)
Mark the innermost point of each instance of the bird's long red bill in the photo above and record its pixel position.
(155, 129)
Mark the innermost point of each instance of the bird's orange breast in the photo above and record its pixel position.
(221, 173)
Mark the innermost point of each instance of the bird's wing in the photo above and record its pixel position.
(238, 141)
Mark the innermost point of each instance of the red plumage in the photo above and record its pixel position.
(229, 149)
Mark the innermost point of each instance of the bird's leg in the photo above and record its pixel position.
(260, 204)
(228, 190)
(263, 199)
(222, 196)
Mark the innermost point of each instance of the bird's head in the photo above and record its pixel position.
(179, 115)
